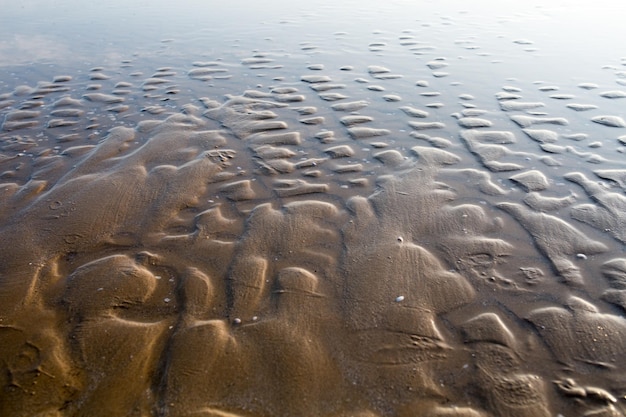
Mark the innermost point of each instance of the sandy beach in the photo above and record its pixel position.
(359, 210)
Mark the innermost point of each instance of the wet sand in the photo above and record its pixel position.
(297, 220)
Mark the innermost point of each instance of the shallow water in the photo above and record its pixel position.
(366, 209)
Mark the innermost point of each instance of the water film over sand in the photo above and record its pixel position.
(324, 212)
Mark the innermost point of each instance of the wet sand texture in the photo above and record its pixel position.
(286, 235)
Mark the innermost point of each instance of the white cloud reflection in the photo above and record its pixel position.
(23, 48)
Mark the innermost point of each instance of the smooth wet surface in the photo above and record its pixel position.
(361, 209)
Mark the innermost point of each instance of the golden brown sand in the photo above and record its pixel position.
(314, 233)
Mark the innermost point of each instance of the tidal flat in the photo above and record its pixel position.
(231, 209)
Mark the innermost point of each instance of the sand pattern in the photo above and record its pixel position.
(301, 234)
